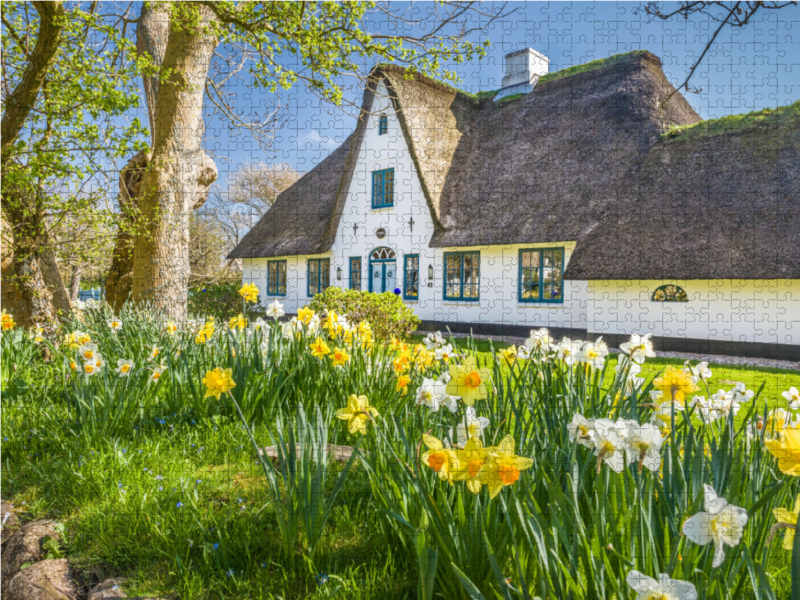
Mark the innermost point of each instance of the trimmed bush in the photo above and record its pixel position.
(386, 313)
(219, 300)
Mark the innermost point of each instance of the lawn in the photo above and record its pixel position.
(157, 480)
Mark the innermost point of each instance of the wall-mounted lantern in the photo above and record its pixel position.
(430, 275)
(339, 273)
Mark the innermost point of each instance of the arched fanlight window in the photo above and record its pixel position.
(382, 254)
(670, 293)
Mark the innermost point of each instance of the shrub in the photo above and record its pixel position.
(219, 300)
(385, 312)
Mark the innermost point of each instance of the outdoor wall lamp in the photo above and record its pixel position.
(339, 273)
(430, 275)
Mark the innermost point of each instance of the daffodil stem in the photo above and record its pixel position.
(250, 434)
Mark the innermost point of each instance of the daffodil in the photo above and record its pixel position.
(538, 342)
(7, 320)
(786, 448)
(339, 357)
(304, 315)
(778, 420)
(468, 463)
(402, 384)
(643, 443)
(722, 524)
(218, 381)
(402, 363)
(444, 353)
(639, 348)
(792, 396)
(76, 339)
(440, 459)
(237, 322)
(93, 366)
(170, 327)
(502, 467)
(700, 371)
(433, 340)
(157, 372)
(567, 350)
(115, 325)
(609, 444)
(249, 292)
(357, 413)
(433, 394)
(675, 384)
(468, 382)
(319, 349)
(275, 310)
(471, 427)
(665, 588)
(581, 430)
(124, 367)
(422, 357)
(594, 354)
(508, 356)
(88, 351)
(784, 515)
(205, 332)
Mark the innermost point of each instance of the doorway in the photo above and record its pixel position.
(382, 270)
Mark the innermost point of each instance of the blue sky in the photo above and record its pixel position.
(748, 69)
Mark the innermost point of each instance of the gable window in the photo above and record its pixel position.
(541, 275)
(670, 293)
(355, 273)
(276, 278)
(462, 275)
(319, 275)
(383, 124)
(411, 277)
(383, 188)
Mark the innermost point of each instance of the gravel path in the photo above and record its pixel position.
(741, 361)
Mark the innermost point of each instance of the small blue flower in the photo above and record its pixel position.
(263, 565)
(124, 450)
(230, 573)
(179, 504)
(322, 578)
(160, 489)
(216, 546)
(120, 484)
(159, 477)
(199, 481)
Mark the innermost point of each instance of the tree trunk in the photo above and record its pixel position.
(75, 284)
(53, 281)
(180, 172)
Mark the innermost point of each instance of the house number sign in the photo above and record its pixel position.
(381, 233)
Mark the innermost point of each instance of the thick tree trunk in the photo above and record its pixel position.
(75, 284)
(52, 279)
(179, 174)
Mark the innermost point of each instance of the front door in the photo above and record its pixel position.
(382, 271)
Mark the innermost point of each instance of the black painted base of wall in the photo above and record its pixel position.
(666, 344)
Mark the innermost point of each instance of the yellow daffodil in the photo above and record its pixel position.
(7, 320)
(218, 382)
(469, 461)
(784, 515)
(238, 322)
(304, 315)
(357, 413)
(402, 383)
(396, 345)
(440, 459)
(249, 292)
(509, 355)
(786, 448)
(170, 328)
(423, 357)
(319, 349)
(468, 381)
(76, 339)
(502, 467)
(339, 357)
(402, 363)
(675, 385)
(73, 365)
(205, 332)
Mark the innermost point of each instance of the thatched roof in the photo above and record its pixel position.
(581, 158)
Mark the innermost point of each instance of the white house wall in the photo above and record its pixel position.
(762, 311)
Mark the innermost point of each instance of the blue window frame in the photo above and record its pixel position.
(411, 277)
(355, 273)
(541, 272)
(462, 275)
(383, 188)
(319, 275)
(276, 278)
(383, 124)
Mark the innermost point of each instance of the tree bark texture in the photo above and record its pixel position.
(75, 284)
(180, 172)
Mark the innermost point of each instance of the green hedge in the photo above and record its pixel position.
(386, 313)
(219, 300)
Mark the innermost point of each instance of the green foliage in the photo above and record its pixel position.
(510, 98)
(591, 66)
(220, 300)
(386, 313)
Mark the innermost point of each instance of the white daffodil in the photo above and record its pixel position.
(124, 367)
(582, 430)
(433, 394)
(471, 426)
(698, 371)
(444, 353)
(741, 394)
(275, 310)
(115, 325)
(722, 524)
(93, 366)
(157, 372)
(567, 350)
(663, 589)
(79, 304)
(312, 325)
(663, 414)
(632, 368)
(88, 352)
(433, 340)
(639, 347)
(258, 324)
(524, 353)
(707, 412)
(792, 397)
(644, 444)
(609, 445)
(154, 352)
(538, 341)
(594, 354)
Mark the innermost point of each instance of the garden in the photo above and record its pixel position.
(323, 456)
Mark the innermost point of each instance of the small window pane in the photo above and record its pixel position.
(411, 279)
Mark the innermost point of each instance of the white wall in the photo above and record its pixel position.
(766, 311)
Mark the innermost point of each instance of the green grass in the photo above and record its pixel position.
(591, 66)
(784, 117)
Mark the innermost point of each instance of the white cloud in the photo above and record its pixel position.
(316, 139)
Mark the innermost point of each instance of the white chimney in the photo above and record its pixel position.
(524, 67)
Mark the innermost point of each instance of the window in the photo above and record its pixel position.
(540, 275)
(670, 293)
(319, 275)
(355, 273)
(276, 278)
(462, 275)
(383, 188)
(411, 277)
(383, 124)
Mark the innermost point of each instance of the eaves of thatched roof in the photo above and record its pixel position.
(581, 158)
